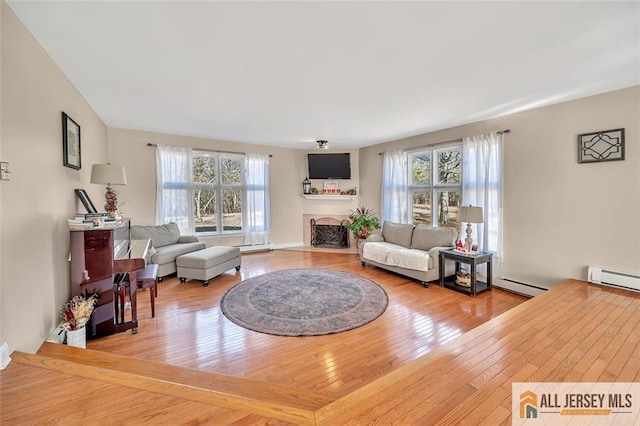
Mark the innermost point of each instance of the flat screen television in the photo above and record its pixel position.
(329, 166)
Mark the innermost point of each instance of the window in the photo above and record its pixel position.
(201, 191)
(218, 187)
(435, 185)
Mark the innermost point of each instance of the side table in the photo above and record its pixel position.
(473, 260)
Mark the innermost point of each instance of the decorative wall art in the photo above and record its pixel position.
(70, 142)
(330, 187)
(607, 145)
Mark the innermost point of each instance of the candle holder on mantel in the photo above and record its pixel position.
(306, 186)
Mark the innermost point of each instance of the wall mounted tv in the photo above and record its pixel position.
(329, 166)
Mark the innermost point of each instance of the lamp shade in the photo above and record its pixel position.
(110, 174)
(470, 214)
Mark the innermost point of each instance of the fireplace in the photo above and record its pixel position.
(328, 232)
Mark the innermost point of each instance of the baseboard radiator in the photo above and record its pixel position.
(602, 276)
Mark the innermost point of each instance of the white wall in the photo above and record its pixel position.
(559, 216)
(37, 201)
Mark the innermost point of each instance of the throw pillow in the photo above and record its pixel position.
(428, 237)
(160, 235)
(397, 233)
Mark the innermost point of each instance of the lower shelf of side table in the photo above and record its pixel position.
(450, 282)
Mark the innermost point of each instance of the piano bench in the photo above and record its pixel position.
(147, 280)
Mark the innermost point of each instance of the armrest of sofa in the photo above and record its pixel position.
(150, 254)
(435, 251)
(187, 239)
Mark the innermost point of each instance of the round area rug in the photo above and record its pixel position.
(304, 302)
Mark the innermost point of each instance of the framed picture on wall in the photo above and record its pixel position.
(605, 145)
(330, 187)
(70, 142)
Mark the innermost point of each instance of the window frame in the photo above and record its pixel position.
(433, 187)
(218, 186)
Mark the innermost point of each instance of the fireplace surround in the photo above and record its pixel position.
(332, 230)
(328, 232)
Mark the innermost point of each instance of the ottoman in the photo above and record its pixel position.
(207, 263)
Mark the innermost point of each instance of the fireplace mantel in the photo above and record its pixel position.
(329, 197)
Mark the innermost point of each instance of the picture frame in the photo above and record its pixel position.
(86, 201)
(70, 143)
(330, 187)
(597, 147)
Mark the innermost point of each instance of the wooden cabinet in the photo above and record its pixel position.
(94, 269)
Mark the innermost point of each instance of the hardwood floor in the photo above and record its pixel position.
(190, 331)
(434, 357)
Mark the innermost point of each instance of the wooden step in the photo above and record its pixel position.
(251, 396)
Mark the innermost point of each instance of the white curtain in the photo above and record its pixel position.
(395, 192)
(482, 186)
(256, 204)
(174, 196)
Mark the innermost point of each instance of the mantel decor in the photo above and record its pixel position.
(306, 186)
(596, 147)
(70, 143)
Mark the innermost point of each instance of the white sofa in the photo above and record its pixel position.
(410, 250)
(166, 245)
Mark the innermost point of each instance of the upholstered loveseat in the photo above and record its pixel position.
(410, 250)
(166, 245)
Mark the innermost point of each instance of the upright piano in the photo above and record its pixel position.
(103, 262)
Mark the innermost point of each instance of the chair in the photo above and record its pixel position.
(145, 279)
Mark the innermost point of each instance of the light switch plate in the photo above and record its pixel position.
(4, 170)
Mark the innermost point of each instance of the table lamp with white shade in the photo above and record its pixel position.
(109, 174)
(469, 214)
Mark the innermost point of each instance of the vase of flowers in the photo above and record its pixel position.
(74, 316)
(362, 222)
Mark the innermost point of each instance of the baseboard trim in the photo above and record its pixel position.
(518, 287)
(287, 245)
(258, 247)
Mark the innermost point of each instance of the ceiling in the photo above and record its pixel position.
(354, 73)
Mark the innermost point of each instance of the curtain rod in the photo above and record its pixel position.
(501, 132)
(209, 150)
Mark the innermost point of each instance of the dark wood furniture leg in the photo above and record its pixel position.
(473, 278)
(147, 280)
(489, 273)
